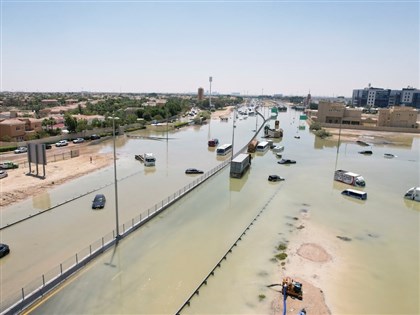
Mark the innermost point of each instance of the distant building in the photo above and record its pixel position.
(405, 117)
(200, 94)
(337, 113)
(372, 97)
(13, 129)
(50, 102)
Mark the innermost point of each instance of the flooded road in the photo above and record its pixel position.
(157, 267)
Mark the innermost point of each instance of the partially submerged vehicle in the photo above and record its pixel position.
(349, 178)
(286, 161)
(363, 143)
(355, 193)
(275, 178)
(413, 194)
(389, 155)
(366, 152)
(193, 171)
(148, 159)
(278, 148)
(252, 145)
(213, 142)
(239, 165)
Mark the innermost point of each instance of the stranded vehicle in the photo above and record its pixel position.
(239, 165)
(413, 194)
(349, 178)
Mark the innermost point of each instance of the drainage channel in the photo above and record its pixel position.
(219, 263)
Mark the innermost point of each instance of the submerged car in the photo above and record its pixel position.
(275, 178)
(99, 202)
(95, 137)
(278, 148)
(3, 174)
(286, 161)
(193, 171)
(4, 250)
(21, 150)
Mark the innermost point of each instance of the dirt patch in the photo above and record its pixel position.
(313, 252)
(19, 186)
(313, 301)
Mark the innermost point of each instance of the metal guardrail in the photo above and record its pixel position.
(218, 264)
(18, 301)
(36, 289)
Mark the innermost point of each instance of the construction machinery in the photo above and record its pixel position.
(292, 288)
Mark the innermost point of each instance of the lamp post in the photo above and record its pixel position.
(115, 180)
(210, 80)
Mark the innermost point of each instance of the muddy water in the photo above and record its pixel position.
(156, 268)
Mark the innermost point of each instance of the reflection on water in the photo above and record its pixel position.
(411, 204)
(236, 184)
(149, 170)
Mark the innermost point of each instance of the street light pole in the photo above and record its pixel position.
(210, 80)
(115, 181)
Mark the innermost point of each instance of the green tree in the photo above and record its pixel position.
(70, 122)
(81, 125)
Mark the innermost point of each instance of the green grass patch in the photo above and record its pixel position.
(282, 246)
(281, 256)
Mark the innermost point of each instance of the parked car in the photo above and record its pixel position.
(78, 140)
(3, 174)
(286, 161)
(99, 202)
(48, 146)
(95, 137)
(21, 150)
(193, 171)
(4, 250)
(8, 165)
(275, 178)
(62, 143)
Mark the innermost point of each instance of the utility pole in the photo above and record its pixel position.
(210, 80)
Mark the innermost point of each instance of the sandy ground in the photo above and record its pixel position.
(222, 113)
(310, 260)
(19, 186)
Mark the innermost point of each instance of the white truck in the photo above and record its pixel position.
(239, 165)
(413, 194)
(149, 159)
(349, 178)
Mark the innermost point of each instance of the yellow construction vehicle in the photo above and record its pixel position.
(292, 288)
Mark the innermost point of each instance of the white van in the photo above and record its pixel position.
(355, 193)
(413, 194)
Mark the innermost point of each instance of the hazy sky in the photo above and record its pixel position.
(250, 47)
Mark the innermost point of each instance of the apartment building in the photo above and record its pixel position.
(382, 98)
